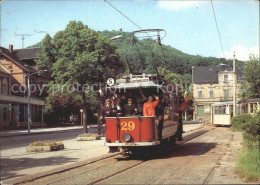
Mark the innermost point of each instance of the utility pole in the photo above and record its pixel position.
(234, 84)
(23, 37)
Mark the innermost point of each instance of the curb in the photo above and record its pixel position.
(44, 132)
(37, 133)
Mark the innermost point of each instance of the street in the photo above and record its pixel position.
(23, 141)
(205, 156)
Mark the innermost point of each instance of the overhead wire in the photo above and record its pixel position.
(217, 28)
(124, 15)
(140, 29)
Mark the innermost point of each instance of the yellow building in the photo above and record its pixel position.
(212, 85)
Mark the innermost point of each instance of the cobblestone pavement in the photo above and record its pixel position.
(207, 159)
(16, 162)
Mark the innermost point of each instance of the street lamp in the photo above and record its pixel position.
(29, 94)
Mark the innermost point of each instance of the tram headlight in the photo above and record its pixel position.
(127, 137)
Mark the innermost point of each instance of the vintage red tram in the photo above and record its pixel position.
(130, 131)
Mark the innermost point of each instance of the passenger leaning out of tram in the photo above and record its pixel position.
(160, 114)
(149, 106)
(129, 108)
(183, 103)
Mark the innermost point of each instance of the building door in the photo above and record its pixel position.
(200, 110)
(21, 113)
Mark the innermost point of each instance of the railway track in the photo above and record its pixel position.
(104, 168)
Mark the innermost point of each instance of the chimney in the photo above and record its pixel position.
(11, 48)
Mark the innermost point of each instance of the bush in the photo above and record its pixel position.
(46, 143)
(252, 130)
(240, 122)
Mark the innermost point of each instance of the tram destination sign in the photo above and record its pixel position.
(139, 80)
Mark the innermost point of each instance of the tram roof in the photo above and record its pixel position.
(223, 103)
(238, 102)
(135, 85)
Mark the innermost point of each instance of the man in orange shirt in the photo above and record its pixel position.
(149, 107)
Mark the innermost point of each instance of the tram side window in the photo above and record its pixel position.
(220, 110)
(170, 104)
(253, 107)
(244, 109)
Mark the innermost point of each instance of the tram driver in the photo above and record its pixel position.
(107, 109)
(130, 109)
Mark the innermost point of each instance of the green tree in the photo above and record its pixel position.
(82, 58)
(62, 105)
(46, 58)
(251, 77)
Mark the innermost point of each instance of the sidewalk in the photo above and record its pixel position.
(42, 130)
(16, 162)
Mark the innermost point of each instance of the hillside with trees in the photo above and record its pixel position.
(79, 54)
(177, 61)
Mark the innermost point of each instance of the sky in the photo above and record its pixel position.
(190, 25)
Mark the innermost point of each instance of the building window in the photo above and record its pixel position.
(5, 87)
(3, 113)
(226, 93)
(225, 78)
(211, 94)
(199, 94)
(10, 68)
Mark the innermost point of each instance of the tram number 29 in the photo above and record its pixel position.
(127, 125)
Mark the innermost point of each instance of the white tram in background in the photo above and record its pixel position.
(222, 112)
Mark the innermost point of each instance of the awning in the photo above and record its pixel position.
(18, 99)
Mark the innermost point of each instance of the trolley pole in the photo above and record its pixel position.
(234, 84)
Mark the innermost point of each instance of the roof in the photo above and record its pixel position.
(34, 101)
(2, 71)
(28, 53)
(15, 60)
(251, 100)
(208, 74)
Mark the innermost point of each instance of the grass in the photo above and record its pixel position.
(248, 161)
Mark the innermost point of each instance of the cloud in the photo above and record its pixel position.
(242, 53)
(177, 4)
